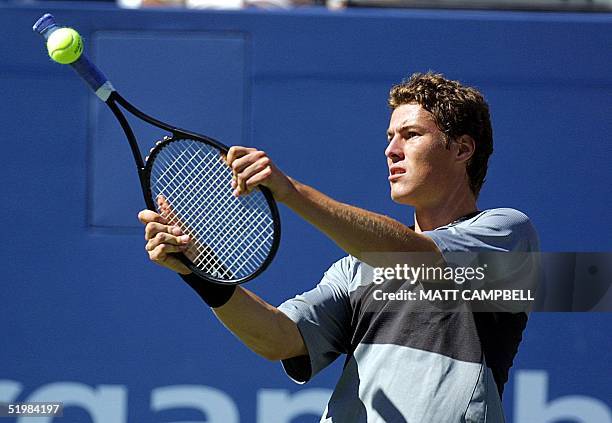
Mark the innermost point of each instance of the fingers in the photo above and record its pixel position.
(252, 175)
(237, 152)
(239, 158)
(175, 243)
(258, 178)
(153, 228)
(160, 255)
(147, 216)
(161, 251)
(164, 238)
(240, 164)
(161, 247)
(250, 168)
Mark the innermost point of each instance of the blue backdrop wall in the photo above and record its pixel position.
(85, 317)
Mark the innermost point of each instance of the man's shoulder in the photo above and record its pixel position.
(498, 229)
(504, 217)
(514, 222)
(505, 211)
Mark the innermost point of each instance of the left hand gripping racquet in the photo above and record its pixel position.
(187, 181)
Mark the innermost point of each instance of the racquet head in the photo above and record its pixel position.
(233, 239)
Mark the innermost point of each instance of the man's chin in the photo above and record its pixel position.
(402, 198)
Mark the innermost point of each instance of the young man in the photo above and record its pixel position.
(402, 363)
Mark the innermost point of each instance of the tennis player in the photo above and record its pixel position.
(402, 364)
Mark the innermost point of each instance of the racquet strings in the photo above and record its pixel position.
(231, 237)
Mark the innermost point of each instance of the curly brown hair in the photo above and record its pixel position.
(457, 110)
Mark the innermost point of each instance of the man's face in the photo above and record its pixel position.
(421, 168)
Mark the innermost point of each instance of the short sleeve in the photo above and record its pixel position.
(496, 231)
(323, 317)
(501, 230)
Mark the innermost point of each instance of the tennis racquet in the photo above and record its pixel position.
(187, 180)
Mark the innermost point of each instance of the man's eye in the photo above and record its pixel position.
(411, 134)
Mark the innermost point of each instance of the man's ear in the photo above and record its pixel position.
(466, 146)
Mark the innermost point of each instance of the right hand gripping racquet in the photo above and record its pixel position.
(186, 180)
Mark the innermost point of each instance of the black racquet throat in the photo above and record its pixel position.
(187, 180)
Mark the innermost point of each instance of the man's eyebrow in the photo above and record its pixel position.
(407, 125)
(411, 125)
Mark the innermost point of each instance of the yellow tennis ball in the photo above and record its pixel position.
(65, 45)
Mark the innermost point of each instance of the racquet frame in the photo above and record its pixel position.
(107, 93)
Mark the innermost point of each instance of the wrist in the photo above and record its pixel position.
(291, 197)
(213, 294)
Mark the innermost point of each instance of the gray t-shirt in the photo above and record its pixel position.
(407, 365)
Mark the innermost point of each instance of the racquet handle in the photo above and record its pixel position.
(96, 80)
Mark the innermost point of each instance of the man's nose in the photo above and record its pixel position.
(394, 151)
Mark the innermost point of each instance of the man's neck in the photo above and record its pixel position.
(453, 207)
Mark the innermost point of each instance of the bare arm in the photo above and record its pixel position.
(356, 231)
(260, 326)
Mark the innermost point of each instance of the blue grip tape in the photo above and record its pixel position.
(96, 80)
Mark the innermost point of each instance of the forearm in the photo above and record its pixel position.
(356, 231)
(260, 326)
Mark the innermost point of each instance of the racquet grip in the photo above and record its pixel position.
(96, 80)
